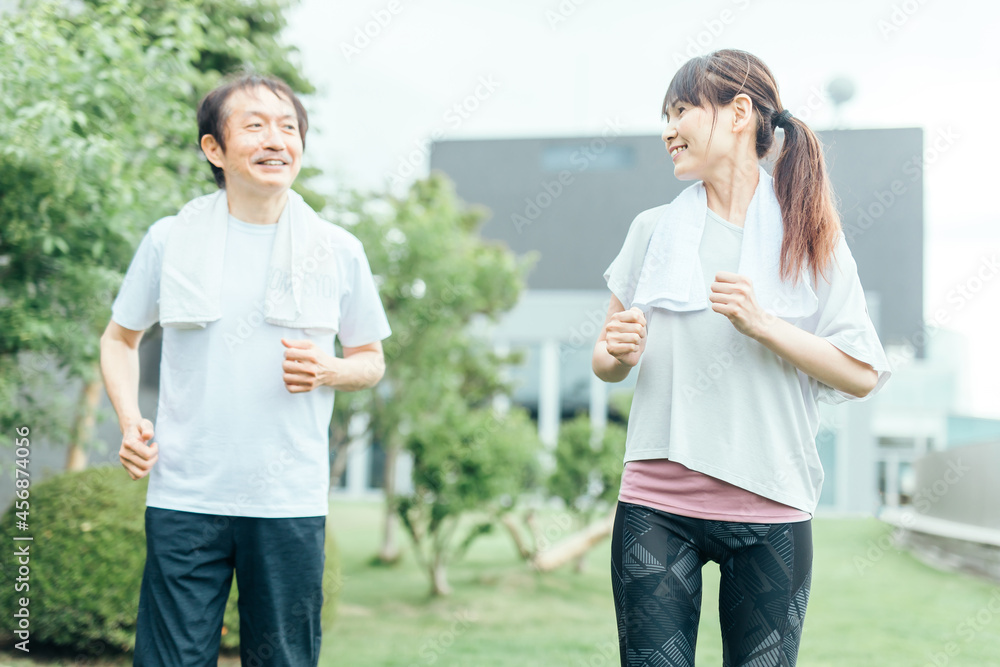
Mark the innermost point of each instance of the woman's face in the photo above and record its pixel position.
(686, 137)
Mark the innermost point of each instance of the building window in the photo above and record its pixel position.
(595, 155)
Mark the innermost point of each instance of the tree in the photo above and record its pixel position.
(99, 141)
(90, 120)
(588, 465)
(224, 36)
(466, 461)
(588, 469)
(586, 478)
(435, 274)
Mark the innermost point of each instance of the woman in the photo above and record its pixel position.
(742, 299)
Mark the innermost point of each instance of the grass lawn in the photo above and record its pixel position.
(870, 606)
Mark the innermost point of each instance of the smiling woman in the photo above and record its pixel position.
(727, 470)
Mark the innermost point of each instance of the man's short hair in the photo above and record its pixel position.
(212, 111)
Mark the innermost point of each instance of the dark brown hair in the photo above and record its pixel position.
(212, 111)
(801, 184)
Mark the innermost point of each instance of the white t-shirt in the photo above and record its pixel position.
(721, 403)
(232, 439)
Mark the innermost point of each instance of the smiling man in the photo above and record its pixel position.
(252, 288)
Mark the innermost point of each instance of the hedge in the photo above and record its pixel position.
(86, 562)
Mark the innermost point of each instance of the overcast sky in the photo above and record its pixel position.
(391, 72)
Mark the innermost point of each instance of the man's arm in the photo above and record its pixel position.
(306, 367)
(120, 368)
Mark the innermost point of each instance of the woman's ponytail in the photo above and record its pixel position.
(804, 193)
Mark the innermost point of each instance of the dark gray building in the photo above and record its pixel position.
(572, 199)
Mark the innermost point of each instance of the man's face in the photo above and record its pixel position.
(263, 146)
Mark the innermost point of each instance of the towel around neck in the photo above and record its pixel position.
(194, 256)
(671, 275)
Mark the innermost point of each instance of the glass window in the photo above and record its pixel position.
(595, 155)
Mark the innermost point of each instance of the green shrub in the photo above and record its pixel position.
(588, 470)
(87, 558)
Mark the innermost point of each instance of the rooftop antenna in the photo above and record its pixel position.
(841, 90)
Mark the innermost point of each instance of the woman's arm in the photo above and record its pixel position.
(621, 343)
(732, 295)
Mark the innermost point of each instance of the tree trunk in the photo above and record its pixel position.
(439, 579)
(389, 553)
(574, 546)
(515, 533)
(83, 426)
(345, 439)
(342, 452)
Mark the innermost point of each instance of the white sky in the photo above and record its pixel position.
(567, 67)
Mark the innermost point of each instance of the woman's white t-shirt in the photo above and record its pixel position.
(719, 402)
(232, 439)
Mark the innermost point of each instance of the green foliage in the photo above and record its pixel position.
(469, 460)
(98, 140)
(89, 119)
(87, 558)
(464, 461)
(588, 469)
(620, 403)
(436, 277)
(225, 36)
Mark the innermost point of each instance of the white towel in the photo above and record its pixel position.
(671, 275)
(194, 255)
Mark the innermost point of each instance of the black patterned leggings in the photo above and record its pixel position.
(656, 561)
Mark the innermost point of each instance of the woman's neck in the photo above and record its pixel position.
(731, 188)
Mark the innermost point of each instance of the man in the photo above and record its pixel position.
(251, 289)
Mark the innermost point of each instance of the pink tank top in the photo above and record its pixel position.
(671, 487)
